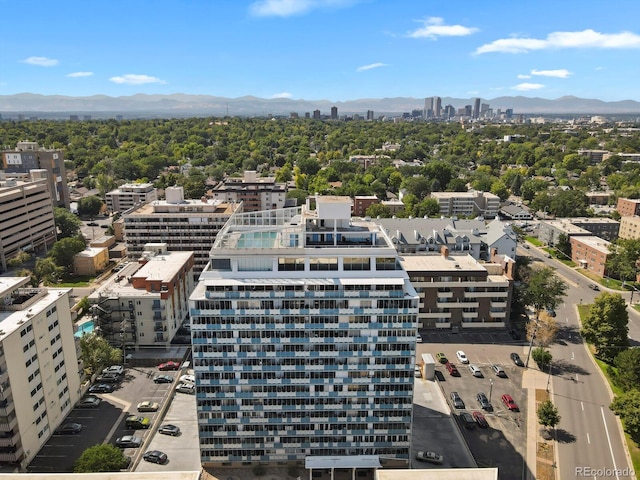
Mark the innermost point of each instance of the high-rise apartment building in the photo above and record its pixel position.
(334, 113)
(303, 332)
(29, 156)
(437, 107)
(256, 193)
(39, 370)
(184, 225)
(26, 216)
(129, 195)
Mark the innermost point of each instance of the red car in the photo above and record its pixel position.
(479, 418)
(510, 403)
(168, 366)
(451, 368)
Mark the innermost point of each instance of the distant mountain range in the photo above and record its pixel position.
(184, 105)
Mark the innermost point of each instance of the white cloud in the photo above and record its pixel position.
(525, 87)
(282, 95)
(434, 27)
(287, 8)
(370, 66)
(524, 77)
(79, 74)
(133, 79)
(41, 61)
(561, 73)
(584, 39)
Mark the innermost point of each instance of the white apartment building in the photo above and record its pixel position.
(184, 225)
(26, 216)
(145, 305)
(39, 370)
(129, 195)
(467, 203)
(303, 333)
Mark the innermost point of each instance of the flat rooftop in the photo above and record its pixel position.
(595, 242)
(186, 207)
(438, 263)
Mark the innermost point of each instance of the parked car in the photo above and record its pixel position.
(155, 456)
(92, 224)
(148, 406)
(499, 371)
(451, 368)
(515, 358)
(109, 378)
(129, 441)
(168, 366)
(89, 401)
(462, 357)
(137, 422)
(480, 419)
(117, 369)
(593, 286)
(163, 379)
(188, 388)
(188, 379)
(430, 457)
(441, 357)
(456, 400)
(418, 338)
(169, 429)
(101, 388)
(69, 429)
(475, 371)
(467, 420)
(510, 403)
(417, 372)
(484, 402)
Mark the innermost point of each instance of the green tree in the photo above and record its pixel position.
(622, 262)
(606, 325)
(627, 407)
(63, 251)
(543, 289)
(19, 259)
(548, 414)
(67, 223)
(89, 206)
(627, 372)
(96, 353)
(500, 189)
(542, 357)
(563, 245)
(101, 458)
(378, 210)
(46, 271)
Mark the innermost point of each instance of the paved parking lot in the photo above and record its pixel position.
(105, 423)
(503, 444)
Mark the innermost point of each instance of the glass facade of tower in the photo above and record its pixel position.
(303, 330)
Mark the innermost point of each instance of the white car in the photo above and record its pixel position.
(188, 388)
(117, 369)
(187, 379)
(418, 338)
(462, 357)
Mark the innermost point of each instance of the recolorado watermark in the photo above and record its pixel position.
(604, 472)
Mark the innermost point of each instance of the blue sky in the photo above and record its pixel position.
(334, 50)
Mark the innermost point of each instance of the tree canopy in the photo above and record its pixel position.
(627, 371)
(90, 206)
(101, 458)
(622, 262)
(627, 406)
(68, 224)
(548, 414)
(96, 353)
(606, 325)
(543, 289)
(63, 251)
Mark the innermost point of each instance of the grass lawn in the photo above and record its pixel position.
(634, 448)
(533, 241)
(71, 282)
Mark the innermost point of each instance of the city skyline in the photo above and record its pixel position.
(337, 50)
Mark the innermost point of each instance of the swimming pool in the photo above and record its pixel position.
(86, 327)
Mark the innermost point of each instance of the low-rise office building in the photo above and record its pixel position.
(147, 302)
(39, 370)
(26, 216)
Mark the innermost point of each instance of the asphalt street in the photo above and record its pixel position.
(589, 435)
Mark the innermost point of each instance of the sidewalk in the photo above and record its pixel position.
(534, 380)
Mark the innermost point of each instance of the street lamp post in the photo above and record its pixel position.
(490, 388)
(549, 375)
(533, 337)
